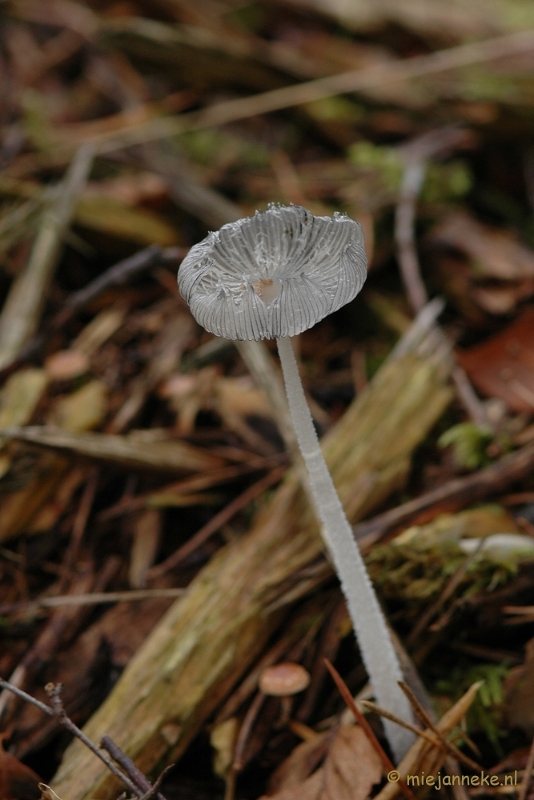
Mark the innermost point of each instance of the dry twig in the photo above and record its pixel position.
(21, 313)
(56, 710)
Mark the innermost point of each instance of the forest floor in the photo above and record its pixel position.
(157, 549)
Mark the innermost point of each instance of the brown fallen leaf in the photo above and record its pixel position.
(78, 411)
(350, 770)
(17, 781)
(300, 763)
(106, 214)
(503, 366)
(502, 298)
(495, 253)
(482, 267)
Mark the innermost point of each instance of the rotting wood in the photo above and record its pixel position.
(207, 641)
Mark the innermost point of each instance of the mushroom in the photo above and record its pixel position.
(275, 275)
(284, 679)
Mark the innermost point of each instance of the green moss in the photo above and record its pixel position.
(35, 120)
(444, 182)
(411, 571)
(385, 162)
(469, 443)
(484, 716)
(336, 109)
(212, 147)
(480, 85)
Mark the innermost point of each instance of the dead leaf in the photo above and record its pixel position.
(352, 767)
(503, 366)
(18, 401)
(188, 394)
(17, 781)
(107, 215)
(75, 412)
(240, 396)
(222, 739)
(145, 543)
(495, 253)
(300, 763)
(503, 298)
(491, 269)
(82, 410)
(350, 770)
(99, 330)
(20, 395)
(131, 190)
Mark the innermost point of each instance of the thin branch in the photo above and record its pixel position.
(22, 310)
(238, 761)
(405, 216)
(359, 80)
(217, 522)
(116, 275)
(58, 712)
(95, 598)
(426, 720)
(118, 755)
(154, 790)
(25, 696)
(431, 734)
(421, 732)
(131, 769)
(196, 483)
(416, 154)
(78, 529)
(452, 496)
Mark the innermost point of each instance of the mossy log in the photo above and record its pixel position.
(207, 640)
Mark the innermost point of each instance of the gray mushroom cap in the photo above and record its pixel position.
(274, 274)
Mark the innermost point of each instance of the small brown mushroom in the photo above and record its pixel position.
(284, 679)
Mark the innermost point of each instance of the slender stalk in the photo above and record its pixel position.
(376, 648)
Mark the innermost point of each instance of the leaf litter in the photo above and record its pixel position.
(137, 454)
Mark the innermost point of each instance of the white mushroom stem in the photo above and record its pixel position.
(377, 651)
